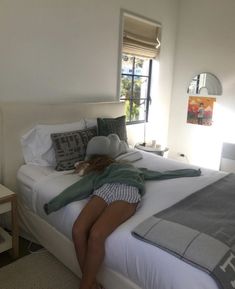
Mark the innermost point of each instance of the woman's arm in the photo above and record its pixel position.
(78, 191)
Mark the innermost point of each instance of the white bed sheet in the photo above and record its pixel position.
(146, 265)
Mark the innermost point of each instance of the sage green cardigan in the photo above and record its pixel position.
(124, 173)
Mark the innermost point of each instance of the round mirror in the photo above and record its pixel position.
(205, 80)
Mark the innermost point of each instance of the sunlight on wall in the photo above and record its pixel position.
(224, 123)
(207, 141)
(206, 147)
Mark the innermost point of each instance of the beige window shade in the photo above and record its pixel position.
(141, 38)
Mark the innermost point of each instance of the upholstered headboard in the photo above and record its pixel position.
(17, 118)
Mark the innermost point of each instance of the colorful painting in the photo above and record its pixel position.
(200, 110)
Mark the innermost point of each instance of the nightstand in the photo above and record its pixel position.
(154, 150)
(8, 203)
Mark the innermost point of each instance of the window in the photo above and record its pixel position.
(135, 87)
(140, 47)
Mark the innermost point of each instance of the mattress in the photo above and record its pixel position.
(146, 265)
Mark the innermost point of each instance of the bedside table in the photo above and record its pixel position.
(156, 151)
(8, 204)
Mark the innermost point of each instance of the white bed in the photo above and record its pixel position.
(145, 264)
(129, 262)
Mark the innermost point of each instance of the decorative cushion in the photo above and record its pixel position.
(109, 145)
(70, 147)
(37, 144)
(117, 126)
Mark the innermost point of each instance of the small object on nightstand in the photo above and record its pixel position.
(155, 150)
(8, 204)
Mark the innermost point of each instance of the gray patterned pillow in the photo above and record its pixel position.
(116, 125)
(70, 147)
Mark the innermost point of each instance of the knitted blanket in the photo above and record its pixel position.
(199, 230)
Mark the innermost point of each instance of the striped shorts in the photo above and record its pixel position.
(118, 192)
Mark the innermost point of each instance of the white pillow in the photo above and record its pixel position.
(37, 145)
(90, 122)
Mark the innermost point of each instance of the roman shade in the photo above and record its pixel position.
(141, 37)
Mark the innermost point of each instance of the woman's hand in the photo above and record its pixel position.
(80, 167)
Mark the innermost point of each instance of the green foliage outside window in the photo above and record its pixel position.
(132, 113)
(134, 86)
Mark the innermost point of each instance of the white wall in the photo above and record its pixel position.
(205, 43)
(67, 50)
(58, 49)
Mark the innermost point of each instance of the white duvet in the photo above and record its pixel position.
(146, 265)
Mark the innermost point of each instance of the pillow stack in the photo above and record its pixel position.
(62, 145)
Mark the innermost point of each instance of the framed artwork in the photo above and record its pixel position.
(200, 110)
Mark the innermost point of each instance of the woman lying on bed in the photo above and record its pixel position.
(109, 206)
(115, 189)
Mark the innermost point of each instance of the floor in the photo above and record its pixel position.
(25, 247)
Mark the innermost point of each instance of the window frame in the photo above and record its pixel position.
(147, 99)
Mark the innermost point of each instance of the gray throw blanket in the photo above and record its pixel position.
(200, 230)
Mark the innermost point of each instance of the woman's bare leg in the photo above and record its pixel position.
(114, 215)
(83, 224)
